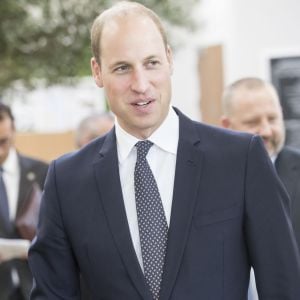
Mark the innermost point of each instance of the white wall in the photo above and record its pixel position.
(211, 16)
(251, 31)
(57, 108)
(185, 88)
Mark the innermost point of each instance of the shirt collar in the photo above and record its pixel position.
(10, 165)
(273, 158)
(165, 137)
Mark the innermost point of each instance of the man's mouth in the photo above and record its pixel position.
(142, 103)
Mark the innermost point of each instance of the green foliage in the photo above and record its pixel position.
(50, 39)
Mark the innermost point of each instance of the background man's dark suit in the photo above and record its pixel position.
(227, 214)
(288, 167)
(31, 171)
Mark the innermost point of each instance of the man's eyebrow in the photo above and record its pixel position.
(151, 57)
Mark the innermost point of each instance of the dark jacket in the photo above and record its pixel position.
(228, 213)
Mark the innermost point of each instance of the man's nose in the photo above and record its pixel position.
(140, 81)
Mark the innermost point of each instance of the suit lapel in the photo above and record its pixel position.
(187, 179)
(287, 169)
(25, 181)
(109, 186)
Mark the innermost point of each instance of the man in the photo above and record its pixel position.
(93, 126)
(183, 220)
(252, 105)
(19, 177)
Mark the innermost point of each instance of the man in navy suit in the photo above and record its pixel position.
(252, 105)
(214, 184)
(23, 178)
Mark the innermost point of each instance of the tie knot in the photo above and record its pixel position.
(143, 149)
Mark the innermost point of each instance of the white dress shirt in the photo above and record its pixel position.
(11, 178)
(162, 161)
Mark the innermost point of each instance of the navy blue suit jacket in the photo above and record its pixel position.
(228, 213)
(288, 167)
(31, 171)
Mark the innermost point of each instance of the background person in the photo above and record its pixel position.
(20, 175)
(92, 127)
(203, 213)
(252, 105)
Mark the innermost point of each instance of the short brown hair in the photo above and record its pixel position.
(122, 8)
(5, 112)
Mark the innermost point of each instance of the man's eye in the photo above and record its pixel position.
(121, 69)
(153, 63)
(4, 141)
(273, 119)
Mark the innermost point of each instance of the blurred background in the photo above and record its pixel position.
(45, 52)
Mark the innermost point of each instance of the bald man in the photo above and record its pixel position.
(252, 105)
(93, 126)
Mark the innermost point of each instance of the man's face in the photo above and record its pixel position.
(135, 72)
(258, 112)
(6, 138)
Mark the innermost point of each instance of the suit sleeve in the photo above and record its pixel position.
(271, 242)
(51, 258)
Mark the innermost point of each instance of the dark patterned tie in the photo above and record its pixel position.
(3, 199)
(152, 221)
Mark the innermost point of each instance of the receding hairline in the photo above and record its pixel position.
(122, 9)
(248, 84)
(89, 125)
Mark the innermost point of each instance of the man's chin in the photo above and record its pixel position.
(270, 149)
(273, 148)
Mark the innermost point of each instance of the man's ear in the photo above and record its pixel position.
(170, 58)
(96, 71)
(225, 122)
